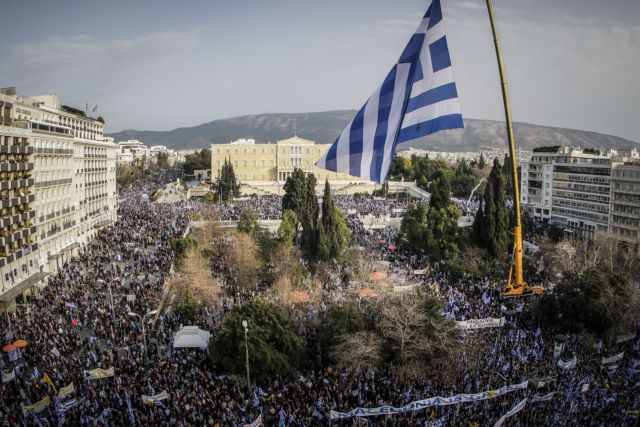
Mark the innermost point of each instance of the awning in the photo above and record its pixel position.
(27, 283)
(191, 337)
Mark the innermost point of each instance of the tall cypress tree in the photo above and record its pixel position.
(478, 227)
(491, 225)
(331, 241)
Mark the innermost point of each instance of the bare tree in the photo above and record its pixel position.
(195, 274)
(242, 262)
(415, 328)
(361, 349)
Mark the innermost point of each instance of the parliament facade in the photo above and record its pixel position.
(273, 162)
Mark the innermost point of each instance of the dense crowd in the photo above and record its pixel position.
(72, 328)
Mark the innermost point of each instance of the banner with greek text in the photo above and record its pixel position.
(37, 407)
(489, 322)
(151, 400)
(569, 364)
(98, 373)
(65, 391)
(612, 359)
(427, 403)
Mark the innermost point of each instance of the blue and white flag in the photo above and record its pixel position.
(417, 98)
(132, 417)
(103, 415)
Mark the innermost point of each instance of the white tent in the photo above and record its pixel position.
(191, 337)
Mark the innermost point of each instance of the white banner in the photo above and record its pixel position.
(98, 373)
(569, 364)
(626, 337)
(544, 398)
(427, 403)
(557, 349)
(256, 423)
(8, 377)
(489, 322)
(418, 272)
(151, 400)
(405, 288)
(612, 359)
(519, 407)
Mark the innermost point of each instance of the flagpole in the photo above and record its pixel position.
(517, 286)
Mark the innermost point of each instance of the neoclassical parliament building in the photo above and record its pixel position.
(273, 162)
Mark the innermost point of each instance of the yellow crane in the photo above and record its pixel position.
(516, 286)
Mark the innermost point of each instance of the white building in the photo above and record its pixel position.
(74, 187)
(135, 147)
(570, 187)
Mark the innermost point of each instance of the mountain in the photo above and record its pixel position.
(324, 127)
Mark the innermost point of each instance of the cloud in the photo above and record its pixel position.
(81, 54)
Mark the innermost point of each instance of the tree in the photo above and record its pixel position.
(588, 301)
(288, 230)
(198, 160)
(226, 185)
(300, 197)
(187, 306)
(440, 191)
(357, 350)
(333, 233)
(242, 263)
(481, 163)
(442, 233)
(414, 328)
(181, 245)
(274, 347)
(248, 222)
(341, 320)
(491, 226)
(162, 161)
(100, 119)
(413, 230)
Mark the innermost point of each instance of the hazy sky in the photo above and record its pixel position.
(158, 65)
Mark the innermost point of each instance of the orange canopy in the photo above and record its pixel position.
(392, 248)
(9, 347)
(20, 343)
(382, 242)
(298, 297)
(377, 276)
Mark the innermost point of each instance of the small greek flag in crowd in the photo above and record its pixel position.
(132, 417)
(35, 374)
(104, 414)
(417, 98)
(14, 355)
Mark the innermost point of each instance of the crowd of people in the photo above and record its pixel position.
(72, 327)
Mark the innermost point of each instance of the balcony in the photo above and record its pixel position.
(16, 183)
(15, 149)
(15, 167)
(18, 288)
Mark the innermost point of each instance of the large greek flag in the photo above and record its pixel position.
(417, 98)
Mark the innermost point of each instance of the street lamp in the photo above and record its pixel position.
(246, 352)
(144, 333)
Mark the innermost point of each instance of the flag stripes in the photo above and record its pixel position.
(418, 97)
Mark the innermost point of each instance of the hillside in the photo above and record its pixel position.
(324, 127)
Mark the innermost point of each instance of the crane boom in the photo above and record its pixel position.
(515, 284)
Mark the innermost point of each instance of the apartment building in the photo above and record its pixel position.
(19, 268)
(624, 216)
(571, 187)
(73, 184)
